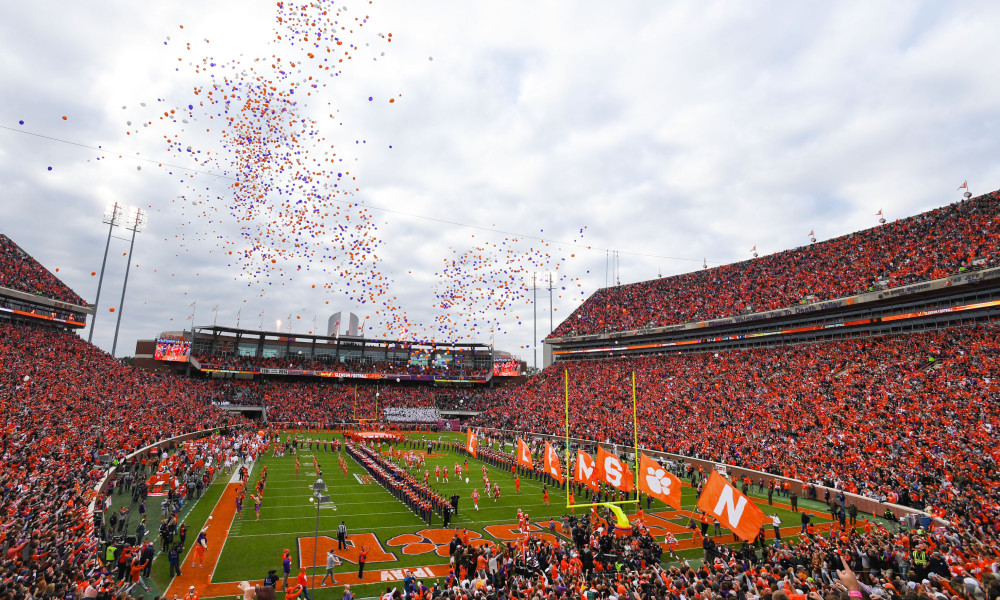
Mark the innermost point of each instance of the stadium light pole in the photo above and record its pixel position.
(550, 303)
(112, 218)
(534, 308)
(137, 221)
(318, 488)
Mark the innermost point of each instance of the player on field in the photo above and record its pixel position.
(671, 543)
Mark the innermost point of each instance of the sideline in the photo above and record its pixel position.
(222, 516)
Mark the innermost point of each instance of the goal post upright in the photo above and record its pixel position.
(568, 480)
(635, 429)
(635, 425)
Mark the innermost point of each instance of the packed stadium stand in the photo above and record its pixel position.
(65, 404)
(19, 271)
(323, 402)
(944, 241)
(245, 363)
(869, 415)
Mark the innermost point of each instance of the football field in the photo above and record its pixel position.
(245, 548)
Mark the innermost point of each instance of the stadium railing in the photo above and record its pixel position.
(167, 444)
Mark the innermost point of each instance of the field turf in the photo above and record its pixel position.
(395, 536)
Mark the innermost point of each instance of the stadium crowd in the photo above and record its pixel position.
(906, 418)
(64, 404)
(931, 245)
(19, 271)
(841, 564)
(252, 363)
(324, 402)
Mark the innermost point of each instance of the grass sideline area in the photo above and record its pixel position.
(195, 514)
(396, 538)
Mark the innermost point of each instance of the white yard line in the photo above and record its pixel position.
(310, 532)
(234, 479)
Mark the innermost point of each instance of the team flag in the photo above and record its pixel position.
(964, 186)
(734, 510)
(470, 442)
(524, 455)
(585, 470)
(657, 482)
(612, 470)
(552, 463)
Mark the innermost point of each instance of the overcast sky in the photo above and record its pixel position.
(672, 132)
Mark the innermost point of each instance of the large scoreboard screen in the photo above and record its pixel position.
(172, 350)
(506, 368)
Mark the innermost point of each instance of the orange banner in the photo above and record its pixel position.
(734, 510)
(524, 455)
(657, 482)
(612, 470)
(552, 463)
(470, 443)
(586, 470)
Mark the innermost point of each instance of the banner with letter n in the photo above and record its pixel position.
(734, 510)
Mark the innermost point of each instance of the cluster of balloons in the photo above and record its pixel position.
(288, 185)
(254, 138)
(482, 289)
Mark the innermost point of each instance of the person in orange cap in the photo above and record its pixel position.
(286, 567)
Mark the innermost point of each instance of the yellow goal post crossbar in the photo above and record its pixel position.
(635, 431)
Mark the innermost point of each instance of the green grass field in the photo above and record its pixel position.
(373, 515)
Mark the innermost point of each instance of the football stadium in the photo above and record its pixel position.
(813, 421)
(850, 432)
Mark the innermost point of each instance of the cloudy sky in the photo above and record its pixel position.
(670, 132)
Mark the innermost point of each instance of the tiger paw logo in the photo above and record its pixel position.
(427, 541)
(657, 480)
